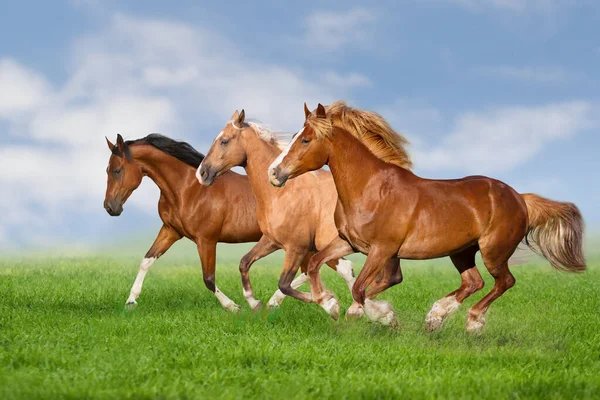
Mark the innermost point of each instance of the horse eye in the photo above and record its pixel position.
(117, 171)
(224, 142)
(305, 140)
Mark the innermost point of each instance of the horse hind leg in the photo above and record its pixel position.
(504, 280)
(471, 282)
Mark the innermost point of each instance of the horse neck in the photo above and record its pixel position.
(259, 155)
(167, 172)
(352, 166)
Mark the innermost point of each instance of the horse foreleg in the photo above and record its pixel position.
(379, 311)
(338, 248)
(208, 255)
(291, 264)
(390, 276)
(263, 248)
(344, 269)
(278, 297)
(164, 240)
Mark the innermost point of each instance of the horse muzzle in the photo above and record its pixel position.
(113, 207)
(206, 175)
(278, 178)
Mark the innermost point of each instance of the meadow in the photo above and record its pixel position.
(64, 333)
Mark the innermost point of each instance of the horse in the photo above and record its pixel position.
(225, 212)
(298, 219)
(392, 213)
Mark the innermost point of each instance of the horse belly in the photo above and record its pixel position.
(440, 237)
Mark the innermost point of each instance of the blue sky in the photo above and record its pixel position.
(505, 88)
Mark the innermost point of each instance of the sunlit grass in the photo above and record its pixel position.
(64, 333)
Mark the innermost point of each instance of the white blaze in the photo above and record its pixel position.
(284, 153)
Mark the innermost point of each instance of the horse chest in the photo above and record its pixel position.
(353, 225)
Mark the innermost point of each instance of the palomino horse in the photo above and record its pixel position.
(225, 212)
(390, 212)
(298, 219)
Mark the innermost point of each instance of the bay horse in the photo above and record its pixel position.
(225, 212)
(392, 213)
(298, 219)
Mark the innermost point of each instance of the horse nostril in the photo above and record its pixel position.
(204, 174)
(109, 209)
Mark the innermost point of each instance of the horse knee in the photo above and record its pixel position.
(245, 263)
(285, 288)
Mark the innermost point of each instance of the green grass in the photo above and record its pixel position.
(64, 334)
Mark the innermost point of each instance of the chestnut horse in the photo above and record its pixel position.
(390, 212)
(298, 219)
(225, 212)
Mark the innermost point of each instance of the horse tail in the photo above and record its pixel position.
(556, 229)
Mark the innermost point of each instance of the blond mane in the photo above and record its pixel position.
(268, 135)
(368, 127)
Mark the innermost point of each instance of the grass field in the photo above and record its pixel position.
(64, 334)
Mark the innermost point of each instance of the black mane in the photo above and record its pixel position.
(180, 150)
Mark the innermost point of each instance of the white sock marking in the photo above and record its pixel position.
(440, 310)
(136, 289)
(250, 299)
(225, 301)
(344, 268)
(379, 311)
(332, 306)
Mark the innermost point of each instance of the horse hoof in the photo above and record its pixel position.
(130, 305)
(433, 323)
(390, 320)
(273, 305)
(332, 307)
(475, 324)
(257, 306)
(381, 311)
(355, 312)
(234, 308)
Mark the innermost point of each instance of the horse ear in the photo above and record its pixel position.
(235, 115)
(306, 111)
(123, 147)
(321, 111)
(120, 143)
(110, 145)
(241, 118)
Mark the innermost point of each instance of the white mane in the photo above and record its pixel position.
(269, 135)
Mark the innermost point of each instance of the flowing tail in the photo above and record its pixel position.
(557, 231)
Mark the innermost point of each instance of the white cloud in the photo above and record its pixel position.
(21, 89)
(134, 77)
(330, 30)
(500, 139)
(515, 6)
(528, 74)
